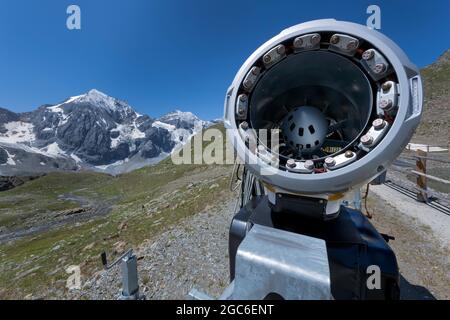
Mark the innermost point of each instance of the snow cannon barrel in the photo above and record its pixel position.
(323, 108)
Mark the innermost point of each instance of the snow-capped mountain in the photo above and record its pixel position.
(90, 131)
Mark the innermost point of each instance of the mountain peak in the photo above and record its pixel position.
(98, 99)
(96, 93)
(102, 100)
(178, 115)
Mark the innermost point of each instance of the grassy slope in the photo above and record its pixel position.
(434, 127)
(40, 196)
(146, 202)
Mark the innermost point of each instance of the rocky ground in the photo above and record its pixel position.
(194, 254)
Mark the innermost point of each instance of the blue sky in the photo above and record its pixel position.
(167, 54)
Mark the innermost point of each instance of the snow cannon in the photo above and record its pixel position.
(342, 101)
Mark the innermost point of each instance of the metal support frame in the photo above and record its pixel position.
(272, 262)
(130, 282)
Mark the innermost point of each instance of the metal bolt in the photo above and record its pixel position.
(243, 97)
(368, 54)
(244, 125)
(348, 154)
(255, 71)
(291, 163)
(315, 39)
(330, 162)
(379, 68)
(248, 83)
(352, 44)
(334, 39)
(378, 124)
(267, 58)
(386, 104)
(366, 139)
(298, 42)
(281, 49)
(386, 86)
(309, 164)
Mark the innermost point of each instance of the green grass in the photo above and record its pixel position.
(42, 196)
(434, 128)
(436, 80)
(148, 200)
(98, 235)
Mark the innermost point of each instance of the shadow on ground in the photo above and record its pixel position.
(409, 291)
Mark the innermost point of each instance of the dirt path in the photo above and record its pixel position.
(437, 221)
(423, 255)
(88, 210)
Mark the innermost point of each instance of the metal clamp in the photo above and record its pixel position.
(130, 283)
(275, 262)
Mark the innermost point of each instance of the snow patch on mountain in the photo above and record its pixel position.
(181, 125)
(54, 150)
(76, 158)
(115, 164)
(126, 133)
(57, 108)
(17, 131)
(23, 147)
(179, 136)
(180, 115)
(10, 160)
(159, 124)
(92, 131)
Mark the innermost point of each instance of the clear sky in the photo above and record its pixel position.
(168, 54)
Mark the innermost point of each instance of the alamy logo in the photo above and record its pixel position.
(73, 21)
(74, 280)
(374, 20)
(374, 278)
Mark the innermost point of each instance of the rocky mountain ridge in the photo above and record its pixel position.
(91, 131)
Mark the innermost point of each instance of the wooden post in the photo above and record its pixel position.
(421, 166)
